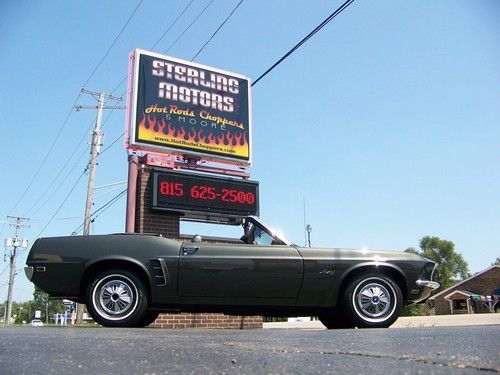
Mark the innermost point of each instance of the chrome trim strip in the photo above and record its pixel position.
(427, 284)
(434, 270)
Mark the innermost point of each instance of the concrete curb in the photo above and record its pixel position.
(407, 322)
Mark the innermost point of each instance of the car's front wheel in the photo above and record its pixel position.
(372, 300)
(117, 298)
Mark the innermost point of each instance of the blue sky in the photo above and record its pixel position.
(387, 122)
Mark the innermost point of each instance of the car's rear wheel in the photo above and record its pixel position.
(372, 300)
(117, 298)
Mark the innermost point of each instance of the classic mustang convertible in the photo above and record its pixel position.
(126, 280)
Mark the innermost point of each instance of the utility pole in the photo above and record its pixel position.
(13, 243)
(94, 153)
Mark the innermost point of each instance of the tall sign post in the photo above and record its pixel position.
(184, 115)
(188, 133)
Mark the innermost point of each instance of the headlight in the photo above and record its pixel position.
(428, 269)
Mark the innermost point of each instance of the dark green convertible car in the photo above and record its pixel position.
(126, 280)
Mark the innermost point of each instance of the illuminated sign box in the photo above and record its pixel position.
(182, 108)
(184, 192)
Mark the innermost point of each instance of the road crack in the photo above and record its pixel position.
(406, 358)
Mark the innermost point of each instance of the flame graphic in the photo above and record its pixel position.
(186, 136)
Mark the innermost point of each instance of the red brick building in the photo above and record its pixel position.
(469, 296)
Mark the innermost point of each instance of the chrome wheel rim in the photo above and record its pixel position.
(115, 297)
(374, 300)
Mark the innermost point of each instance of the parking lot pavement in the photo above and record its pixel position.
(407, 322)
(123, 351)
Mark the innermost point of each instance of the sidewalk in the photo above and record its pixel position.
(408, 322)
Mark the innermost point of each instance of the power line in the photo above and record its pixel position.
(5, 269)
(44, 160)
(216, 31)
(112, 144)
(61, 170)
(156, 43)
(101, 209)
(85, 151)
(298, 45)
(71, 169)
(49, 151)
(172, 24)
(186, 30)
(189, 26)
(60, 206)
(306, 38)
(112, 44)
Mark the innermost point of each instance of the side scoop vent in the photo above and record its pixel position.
(160, 271)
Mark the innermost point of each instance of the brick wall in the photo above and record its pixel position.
(180, 321)
(147, 221)
(168, 224)
(482, 284)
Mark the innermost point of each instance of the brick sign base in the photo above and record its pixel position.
(168, 224)
(180, 321)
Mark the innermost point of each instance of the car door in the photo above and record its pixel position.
(239, 271)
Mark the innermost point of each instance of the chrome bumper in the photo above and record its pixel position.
(427, 284)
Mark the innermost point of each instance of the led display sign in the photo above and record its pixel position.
(175, 191)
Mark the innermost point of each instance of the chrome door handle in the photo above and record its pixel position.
(190, 250)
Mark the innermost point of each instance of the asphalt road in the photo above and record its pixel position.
(437, 350)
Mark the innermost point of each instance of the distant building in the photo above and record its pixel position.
(470, 296)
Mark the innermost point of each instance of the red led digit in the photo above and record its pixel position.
(164, 188)
(203, 192)
(211, 193)
(250, 198)
(195, 192)
(242, 197)
(171, 188)
(178, 189)
(232, 196)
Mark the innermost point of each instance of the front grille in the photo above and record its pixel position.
(160, 271)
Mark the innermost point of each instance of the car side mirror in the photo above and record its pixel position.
(196, 239)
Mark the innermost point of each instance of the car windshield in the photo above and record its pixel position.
(259, 233)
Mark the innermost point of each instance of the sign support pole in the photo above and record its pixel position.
(133, 167)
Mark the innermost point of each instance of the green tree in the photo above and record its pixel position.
(23, 311)
(47, 306)
(451, 266)
(497, 262)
